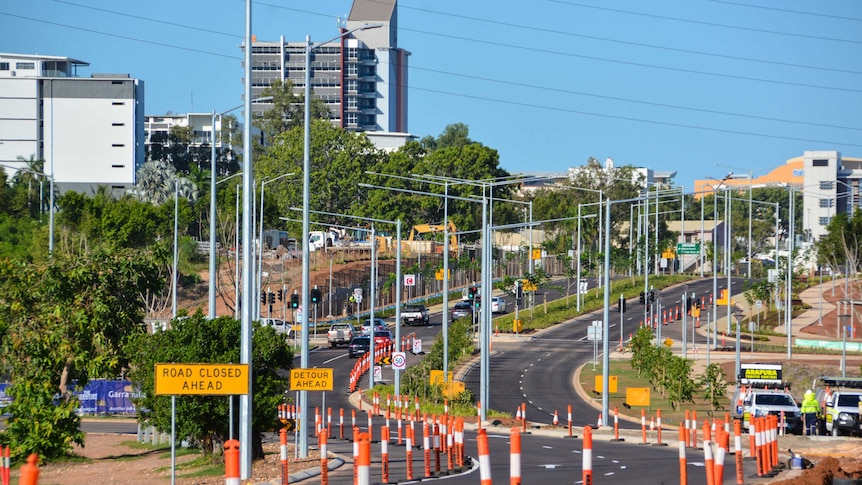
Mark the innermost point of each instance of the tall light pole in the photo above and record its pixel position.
(260, 243)
(247, 309)
(176, 228)
(306, 195)
(213, 183)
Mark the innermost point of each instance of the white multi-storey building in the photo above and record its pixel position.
(88, 131)
(361, 77)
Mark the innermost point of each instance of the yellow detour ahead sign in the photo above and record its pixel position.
(451, 389)
(436, 377)
(612, 384)
(528, 285)
(438, 275)
(637, 396)
(202, 379)
(311, 379)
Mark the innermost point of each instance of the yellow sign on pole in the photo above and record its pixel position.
(612, 384)
(438, 275)
(202, 379)
(517, 326)
(436, 377)
(528, 285)
(311, 379)
(637, 396)
(537, 254)
(453, 388)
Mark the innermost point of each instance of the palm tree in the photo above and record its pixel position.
(156, 181)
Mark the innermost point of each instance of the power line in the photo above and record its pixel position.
(623, 42)
(776, 9)
(629, 100)
(630, 63)
(147, 19)
(703, 22)
(637, 120)
(118, 36)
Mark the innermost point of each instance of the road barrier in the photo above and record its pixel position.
(569, 420)
(285, 472)
(30, 471)
(363, 461)
(426, 448)
(231, 463)
(523, 417)
(556, 420)
(707, 454)
(737, 451)
(384, 454)
(720, 440)
(484, 458)
(658, 427)
(587, 463)
(617, 425)
(694, 429)
(355, 455)
(643, 427)
(683, 472)
(514, 457)
(324, 458)
(6, 463)
(408, 450)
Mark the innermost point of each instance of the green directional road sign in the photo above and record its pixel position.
(688, 248)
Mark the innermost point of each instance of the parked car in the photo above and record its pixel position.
(278, 324)
(379, 324)
(462, 309)
(382, 337)
(498, 304)
(415, 314)
(340, 333)
(359, 346)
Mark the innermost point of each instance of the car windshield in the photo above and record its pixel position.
(360, 341)
(414, 308)
(462, 306)
(849, 399)
(774, 400)
(382, 334)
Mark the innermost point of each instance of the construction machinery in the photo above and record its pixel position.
(418, 231)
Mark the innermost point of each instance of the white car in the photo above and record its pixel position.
(498, 304)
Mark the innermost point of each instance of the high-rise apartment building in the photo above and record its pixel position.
(361, 76)
(88, 131)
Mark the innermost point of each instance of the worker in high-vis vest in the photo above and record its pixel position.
(810, 410)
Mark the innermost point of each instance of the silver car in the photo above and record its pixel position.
(498, 304)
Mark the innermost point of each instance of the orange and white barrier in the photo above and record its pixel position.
(556, 420)
(324, 458)
(514, 457)
(6, 461)
(30, 470)
(616, 424)
(658, 426)
(363, 461)
(341, 423)
(426, 448)
(643, 427)
(231, 463)
(683, 472)
(484, 457)
(737, 451)
(587, 463)
(569, 420)
(408, 450)
(523, 417)
(384, 454)
(693, 429)
(285, 473)
(707, 455)
(599, 422)
(720, 438)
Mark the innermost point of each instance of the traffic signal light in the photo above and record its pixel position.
(622, 306)
(262, 298)
(642, 298)
(271, 297)
(471, 292)
(315, 295)
(519, 291)
(652, 295)
(294, 301)
(280, 295)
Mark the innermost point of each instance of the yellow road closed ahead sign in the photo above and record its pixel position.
(311, 379)
(201, 379)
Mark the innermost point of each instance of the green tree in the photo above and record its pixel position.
(287, 111)
(713, 384)
(61, 322)
(196, 339)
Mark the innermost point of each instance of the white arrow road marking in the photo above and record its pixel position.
(548, 447)
(609, 474)
(600, 457)
(549, 467)
(615, 461)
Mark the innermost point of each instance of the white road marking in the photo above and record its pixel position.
(548, 447)
(335, 358)
(549, 467)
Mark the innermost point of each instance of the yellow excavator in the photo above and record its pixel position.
(418, 230)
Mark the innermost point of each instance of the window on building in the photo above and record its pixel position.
(352, 84)
(826, 185)
(351, 101)
(824, 221)
(352, 69)
(351, 118)
(25, 65)
(4, 66)
(827, 202)
(820, 163)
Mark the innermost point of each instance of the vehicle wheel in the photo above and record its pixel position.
(333, 345)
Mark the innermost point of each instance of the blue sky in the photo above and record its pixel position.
(683, 85)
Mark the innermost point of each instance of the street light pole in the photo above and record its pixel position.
(176, 226)
(306, 184)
